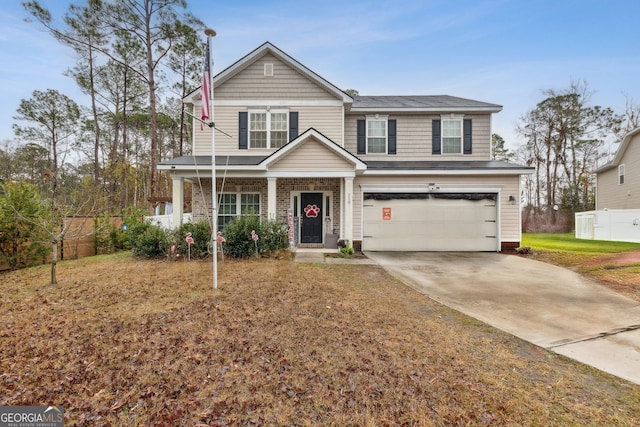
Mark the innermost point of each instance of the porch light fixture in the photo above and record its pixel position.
(512, 199)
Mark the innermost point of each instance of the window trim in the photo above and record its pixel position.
(376, 118)
(450, 118)
(621, 174)
(267, 112)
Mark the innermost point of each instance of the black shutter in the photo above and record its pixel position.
(243, 120)
(391, 149)
(362, 137)
(293, 125)
(466, 134)
(435, 137)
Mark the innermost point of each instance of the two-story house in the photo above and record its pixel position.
(380, 172)
(618, 182)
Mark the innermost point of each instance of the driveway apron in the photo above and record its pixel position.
(549, 306)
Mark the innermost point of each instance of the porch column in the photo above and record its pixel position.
(348, 210)
(271, 198)
(178, 201)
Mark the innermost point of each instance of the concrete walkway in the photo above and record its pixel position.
(549, 306)
(317, 256)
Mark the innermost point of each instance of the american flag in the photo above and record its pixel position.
(206, 76)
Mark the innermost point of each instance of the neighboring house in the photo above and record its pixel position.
(380, 172)
(618, 182)
(617, 214)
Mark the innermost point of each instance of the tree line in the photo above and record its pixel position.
(566, 138)
(135, 60)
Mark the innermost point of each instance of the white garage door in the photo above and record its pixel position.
(424, 222)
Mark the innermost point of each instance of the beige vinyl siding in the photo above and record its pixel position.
(325, 119)
(612, 195)
(509, 214)
(312, 156)
(226, 119)
(414, 138)
(286, 83)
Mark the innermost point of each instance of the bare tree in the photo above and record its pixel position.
(565, 138)
(50, 119)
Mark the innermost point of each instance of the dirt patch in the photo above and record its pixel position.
(626, 258)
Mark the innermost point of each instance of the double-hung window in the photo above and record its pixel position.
(233, 205)
(377, 135)
(268, 129)
(621, 174)
(451, 136)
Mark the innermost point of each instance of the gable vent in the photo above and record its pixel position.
(268, 70)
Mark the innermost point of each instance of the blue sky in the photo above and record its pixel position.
(498, 51)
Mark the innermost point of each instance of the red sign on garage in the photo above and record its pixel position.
(386, 214)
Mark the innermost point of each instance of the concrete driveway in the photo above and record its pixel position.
(550, 306)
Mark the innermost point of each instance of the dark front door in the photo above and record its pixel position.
(311, 214)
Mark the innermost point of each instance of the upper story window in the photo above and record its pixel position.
(452, 136)
(376, 135)
(268, 129)
(621, 174)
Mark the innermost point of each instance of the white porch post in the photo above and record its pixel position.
(178, 201)
(271, 198)
(348, 210)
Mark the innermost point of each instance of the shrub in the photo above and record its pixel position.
(346, 252)
(22, 239)
(272, 237)
(108, 238)
(201, 233)
(104, 236)
(148, 240)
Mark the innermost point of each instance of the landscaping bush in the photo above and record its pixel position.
(22, 240)
(108, 238)
(274, 236)
(201, 233)
(148, 240)
(239, 244)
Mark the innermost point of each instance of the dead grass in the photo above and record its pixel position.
(620, 272)
(127, 342)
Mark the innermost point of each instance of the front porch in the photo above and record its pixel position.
(318, 210)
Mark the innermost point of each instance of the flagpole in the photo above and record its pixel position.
(214, 199)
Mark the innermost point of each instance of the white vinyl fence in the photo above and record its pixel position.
(166, 221)
(622, 225)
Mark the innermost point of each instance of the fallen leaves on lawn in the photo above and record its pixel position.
(127, 342)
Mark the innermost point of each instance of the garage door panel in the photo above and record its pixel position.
(430, 224)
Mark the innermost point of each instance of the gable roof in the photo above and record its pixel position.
(421, 103)
(258, 53)
(358, 164)
(621, 149)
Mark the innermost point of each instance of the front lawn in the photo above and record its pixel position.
(614, 264)
(128, 342)
(566, 242)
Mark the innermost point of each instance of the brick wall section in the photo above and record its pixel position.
(201, 194)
